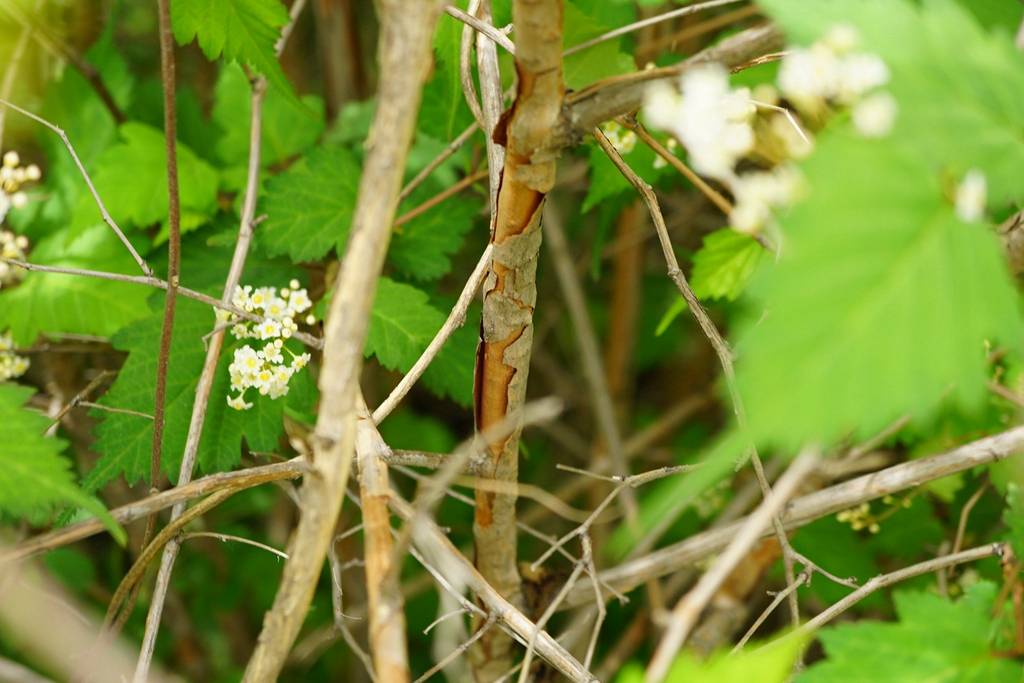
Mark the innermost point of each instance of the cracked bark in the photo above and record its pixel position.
(510, 294)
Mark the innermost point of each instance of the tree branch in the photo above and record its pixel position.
(406, 30)
(621, 95)
(510, 293)
(804, 510)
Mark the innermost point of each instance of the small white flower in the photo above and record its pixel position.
(238, 402)
(842, 38)
(11, 364)
(11, 159)
(311, 319)
(873, 117)
(293, 284)
(299, 301)
(808, 77)
(971, 195)
(661, 105)
(269, 328)
(19, 200)
(33, 173)
(758, 193)
(859, 74)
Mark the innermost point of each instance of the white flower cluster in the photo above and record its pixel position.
(712, 121)
(622, 139)
(266, 369)
(13, 247)
(11, 364)
(719, 126)
(12, 177)
(716, 125)
(832, 72)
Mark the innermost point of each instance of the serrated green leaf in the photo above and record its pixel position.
(287, 130)
(309, 206)
(243, 30)
(881, 303)
(34, 476)
(934, 640)
(422, 248)
(402, 324)
(131, 177)
(53, 302)
(723, 266)
(125, 440)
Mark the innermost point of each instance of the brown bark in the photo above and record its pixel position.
(510, 295)
(406, 31)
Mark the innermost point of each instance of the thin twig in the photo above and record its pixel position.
(483, 27)
(78, 399)
(884, 580)
(431, 542)
(88, 182)
(803, 510)
(445, 154)
(235, 539)
(455, 320)
(650, 21)
(151, 281)
(448, 192)
(801, 580)
(686, 612)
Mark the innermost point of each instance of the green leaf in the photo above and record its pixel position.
(131, 177)
(309, 206)
(34, 477)
(287, 130)
(243, 30)
(443, 111)
(422, 247)
(402, 324)
(597, 62)
(54, 302)
(882, 313)
(125, 440)
(772, 663)
(723, 266)
(934, 640)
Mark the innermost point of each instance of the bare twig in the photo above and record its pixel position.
(431, 542)
(235, 539)
(884, 580)
(491, 104)
(242, 479)
(621, 95)
(455, 320)
(802, 579)
(445, 154)
(803, 510)
(406, 31)
(151, 281)
(687, 610)
(448, 192)
(484, 27)
(167, 77)
(650, 21)
(88, 182)
(78, 399)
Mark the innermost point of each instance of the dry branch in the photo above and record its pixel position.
(406, 31)
(806, 509)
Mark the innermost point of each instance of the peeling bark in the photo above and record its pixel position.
(510, 295)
